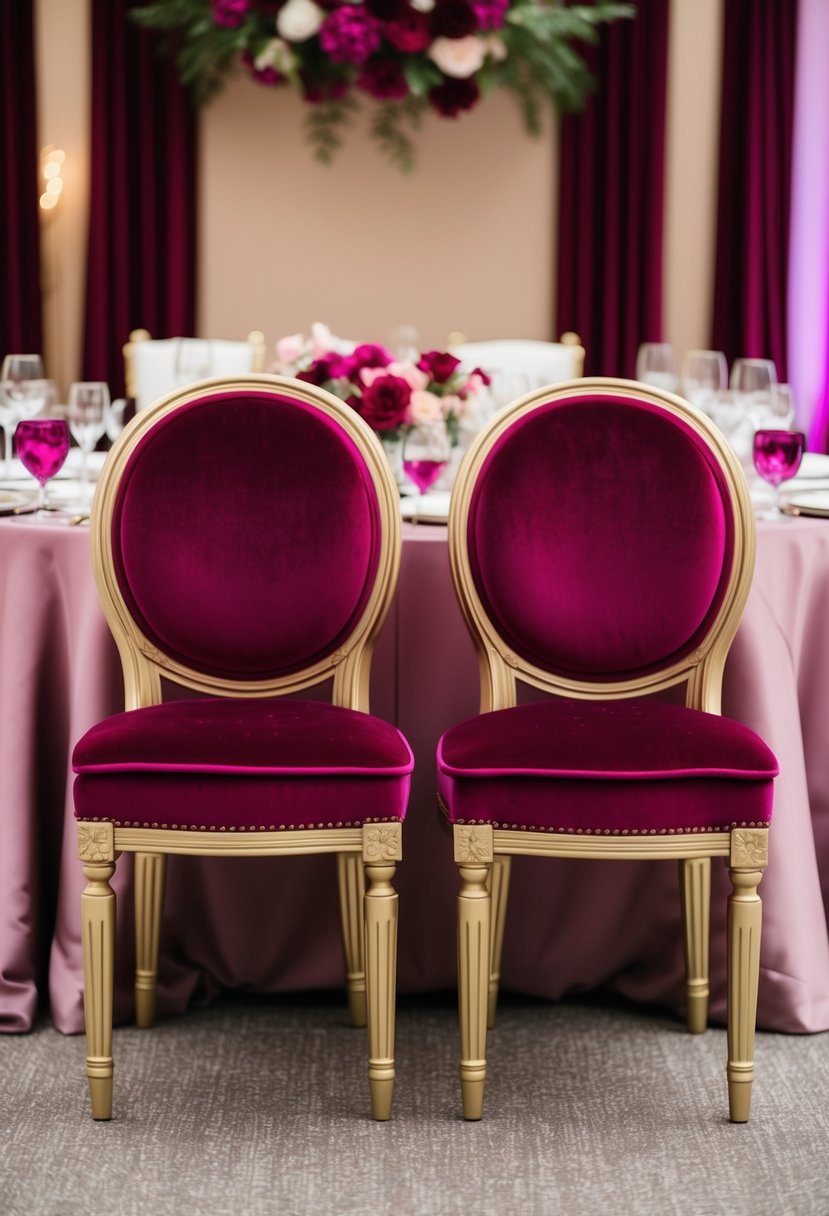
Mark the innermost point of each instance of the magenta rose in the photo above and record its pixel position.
(371, 354)
(331, 367)
(439, 365)
(453, 96)
(322, 90)
(385, 402)
(230, 13)
(409, 33)
(383, 79)
(453, 19)
(267, 75)
(490, 13)
(349, 35)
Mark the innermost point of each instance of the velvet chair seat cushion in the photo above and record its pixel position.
(226, 764)
(622, 767)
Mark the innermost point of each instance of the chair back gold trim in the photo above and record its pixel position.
(142, 661)
(702, 670)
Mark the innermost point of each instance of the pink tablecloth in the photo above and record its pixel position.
(572, 926)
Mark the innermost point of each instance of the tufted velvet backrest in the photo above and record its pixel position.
(245, 534)
(600, 537)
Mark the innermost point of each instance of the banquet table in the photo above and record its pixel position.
(272, 925)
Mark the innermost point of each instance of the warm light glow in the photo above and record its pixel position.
(51, 160)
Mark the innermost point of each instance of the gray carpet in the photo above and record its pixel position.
(256, 1107)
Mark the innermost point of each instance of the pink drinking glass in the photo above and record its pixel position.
(426, 452)
(42, 444)
(777, 456)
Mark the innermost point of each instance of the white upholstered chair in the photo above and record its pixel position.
(150, 363)
(542, 363)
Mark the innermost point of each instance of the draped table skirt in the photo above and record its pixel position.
(572, 926)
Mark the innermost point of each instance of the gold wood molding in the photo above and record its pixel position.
(382, 842)
(238, 844)
(473, 845)
(750, 848)
(635, 848)
(95, 842)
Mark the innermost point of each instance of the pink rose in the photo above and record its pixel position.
(414, 377)
(385, 402)
(424, 408)
(289, 349)
(458, 57)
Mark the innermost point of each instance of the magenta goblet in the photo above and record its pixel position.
(42, 445)
(777, 456)
(426, 452)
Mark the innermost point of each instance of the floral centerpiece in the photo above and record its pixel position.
(410, 56)
(392, 395)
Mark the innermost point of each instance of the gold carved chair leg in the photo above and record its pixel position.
(381, 849)
(749, 857)
(352, 888)
(695, 893)
(499, 890)
(95, 847)
(150, 871)
(473, 855)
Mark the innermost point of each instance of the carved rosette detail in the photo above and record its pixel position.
(95, 842)
(382, 842)
(750, 847)
(473, 845)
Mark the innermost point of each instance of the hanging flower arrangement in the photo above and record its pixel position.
(409, 56)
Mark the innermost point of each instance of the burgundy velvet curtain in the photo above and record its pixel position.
(609, 284)
(141, 267)
(21, 318)
(756, 124)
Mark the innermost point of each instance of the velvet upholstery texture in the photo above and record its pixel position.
(547, 513)
(230, 765)
(261, 564)
(605, 768)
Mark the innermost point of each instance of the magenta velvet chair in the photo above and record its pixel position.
(602, 546)
(246, 543)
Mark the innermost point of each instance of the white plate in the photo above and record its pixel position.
(428, 509)
(806, 502)
(813, 464)
(13, 500)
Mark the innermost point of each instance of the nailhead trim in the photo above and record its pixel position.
(291, 827)
(523, 827)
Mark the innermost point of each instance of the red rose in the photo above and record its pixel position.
(439, 364)
(383, 79)
(453, 19)
(410, 33)
(385, 402)
(453, 96)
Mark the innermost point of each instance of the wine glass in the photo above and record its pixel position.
(16, 371)
(777, 456)
(193, 361)
(42, 445)
(426, 452)
(655, 365)
(755, 382)
(704, 375)
(86, 411)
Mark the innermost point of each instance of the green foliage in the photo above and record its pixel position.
(540, 66)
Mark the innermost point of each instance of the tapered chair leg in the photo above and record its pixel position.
(748, 858)
(150, 871)
(381, 849)
(499, 890)
(352, 889)
(98, 943)
(695, 894)
(473, 854)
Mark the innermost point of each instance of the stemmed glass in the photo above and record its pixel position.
(704, 376)
(755, 383)
(86, 411)
(193, 361)
(655, 365)
(777, 456)
(16, 398)
(42, 445)
(426, 452)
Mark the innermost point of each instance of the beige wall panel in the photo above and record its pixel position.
(692, 149)
(63, 93)
(465, 242)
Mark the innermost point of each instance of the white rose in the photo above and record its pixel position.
(458, 57)
(299, 20)
(423, 6)
(277, 54)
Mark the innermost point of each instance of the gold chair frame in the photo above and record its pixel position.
(255, 339)
(483, 854)
(366, 856)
